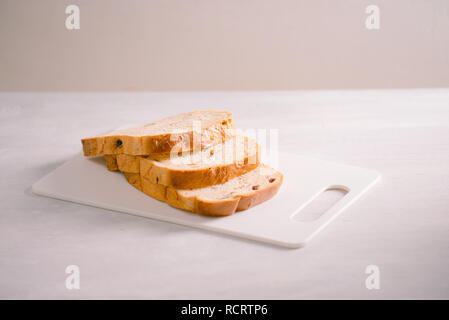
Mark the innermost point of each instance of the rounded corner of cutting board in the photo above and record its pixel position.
(35, 188)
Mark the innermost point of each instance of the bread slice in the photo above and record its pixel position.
(214, 165)
(177, 132)
(238, 194)
(207, 167)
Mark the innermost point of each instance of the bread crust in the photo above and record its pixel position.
(157, 144)
(111, 162)
(194, 179)
(180, 178)
(134, 180)
(127, 163)
(216, 208)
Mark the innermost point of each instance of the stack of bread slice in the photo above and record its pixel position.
(193, 161)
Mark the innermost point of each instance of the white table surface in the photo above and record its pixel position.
(401, 225)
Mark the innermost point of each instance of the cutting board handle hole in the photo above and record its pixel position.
(321, 203)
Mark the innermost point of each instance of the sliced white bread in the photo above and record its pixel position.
(238, 194)
(207, 167)
(177, 132)
(214, 165)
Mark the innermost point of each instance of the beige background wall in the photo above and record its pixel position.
(223, 45)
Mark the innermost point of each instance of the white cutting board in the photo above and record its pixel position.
(86, 181)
